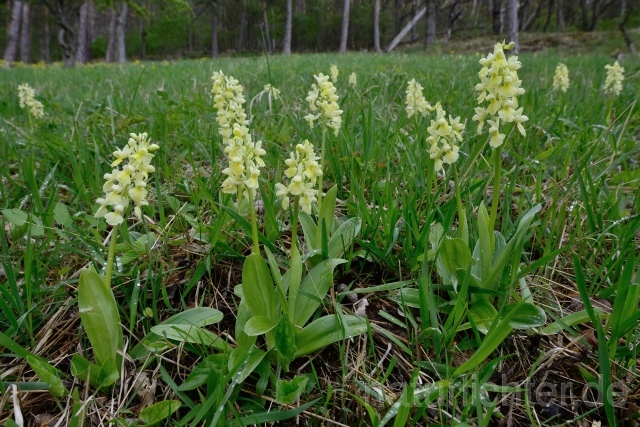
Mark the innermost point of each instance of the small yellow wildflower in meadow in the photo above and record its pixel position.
(323, 98)
(129, 182)
(272, 90)
(499, 87)
(244, 154)
(28, 99)
(415, 102)
(353, 80)
(615, 77)
(302, 172)
(334, 73)
(444, 136)
(561, 78)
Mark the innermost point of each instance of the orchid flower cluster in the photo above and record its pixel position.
(615, 77)
(444, 136)
(499, 87)
(415, 102)
(275, 92)
(302, 172)
(353, 80)
(244, 154)
(322, 98)
(334, 73)
(28, 99)
(561, 78)
(129, 182)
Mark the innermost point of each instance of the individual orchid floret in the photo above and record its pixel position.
(615, 77)
(333, 70)
(499, 88)
(27, 97)
(323, 102)
(353, 80)
(244, 154)
(415, 102)
(303, 171)
(128, 180)
(275, 92)
(444, 137)
(561, 78)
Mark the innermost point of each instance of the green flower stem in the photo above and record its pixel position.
(294, 226)
(320, 186)
(497, 163)
(111, 256)
(456, 183)
(254, 224)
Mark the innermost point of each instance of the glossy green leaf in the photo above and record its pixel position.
(328, 330)
(285, 342)
(326, 214)
(526, 315)
(483, 314)
(258, 287)
(485, 233)
(453, 255)
(100, 318)
(310, 231)
(191, 334)
(313, 289)
(344, 237)
(107, 374)
(48, 374)
(258, 325)
(159, 411)
(198, 376)
(242, 317)
(577, 318)
(288, 391)
(244, 360)
(84, 370)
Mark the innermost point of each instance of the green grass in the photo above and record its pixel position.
(579, 160)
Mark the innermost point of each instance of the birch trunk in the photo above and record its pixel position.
(431, 22)
(396, 41)
(25, 33)
(512, 19)
(345, 26)
(14, 32)
(82, 55)
(286, 42)
(111, 45)
(376, 26)
(121, 23)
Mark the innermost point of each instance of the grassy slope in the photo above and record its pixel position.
(381, 176)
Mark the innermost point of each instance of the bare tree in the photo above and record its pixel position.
(82, 54)
(214, 30)
(512, 19)
(25, 33)
(398, 38)
(623, 29)
(243, 25)
(453, 14)
(431, 22)
(345, 26)
(376, 26)
(121, 23)
(45, 38)
(560, 14)
(111, 44)
(14, 32)
(286, 43)
(590, 18)
(497, 14)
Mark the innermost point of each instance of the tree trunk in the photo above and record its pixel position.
(396, 41)
(82, 55)
(345, 26)
(65, 41)
(243, 25)
(143, 39)
(560, 23)
(498, 17)
(121, 24)
(413, 15)
(286, 42)
(512, 14)
(45, 38)
(431, 22)
(214, 30)
(549, 13)
(111, 45)
(25, 33)
(625, 35)
(14, 32)
(376, 26)
(585, 14)
(266, 28)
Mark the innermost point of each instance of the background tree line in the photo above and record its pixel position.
(83, 30)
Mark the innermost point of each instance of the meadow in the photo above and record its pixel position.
(409, 296)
